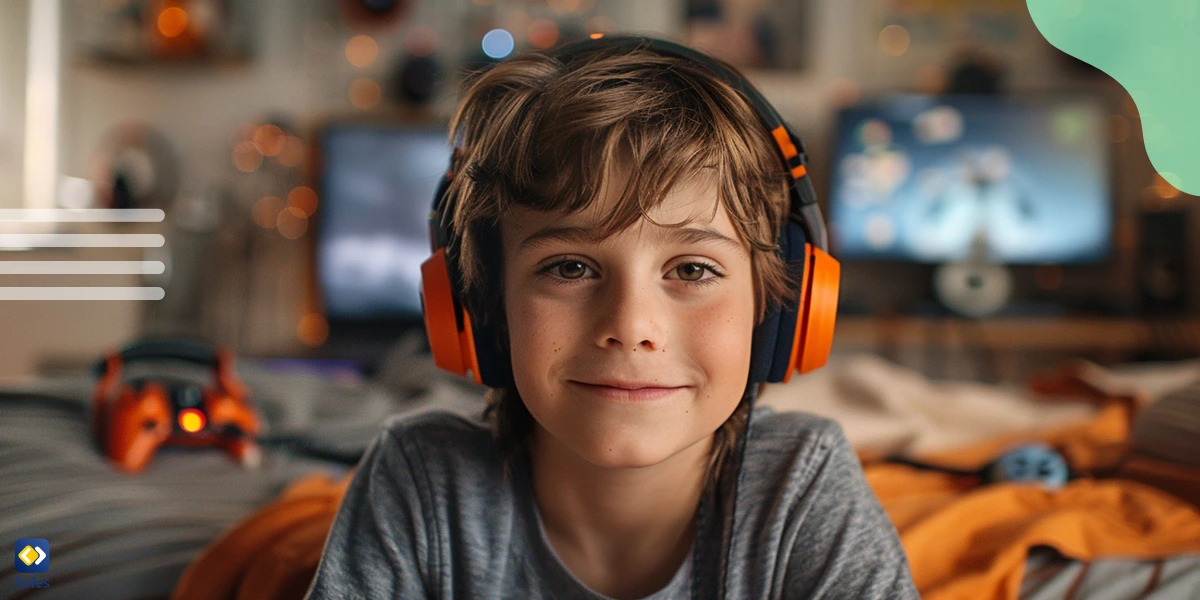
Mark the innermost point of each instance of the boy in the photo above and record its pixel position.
(619, 213)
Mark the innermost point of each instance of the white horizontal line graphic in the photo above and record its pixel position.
(81, 293)
(80, 215)
(81, 240)
(81, 267)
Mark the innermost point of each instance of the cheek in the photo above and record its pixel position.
(537, 331)
(725, 336)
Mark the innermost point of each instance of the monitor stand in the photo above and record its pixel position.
(976, 287)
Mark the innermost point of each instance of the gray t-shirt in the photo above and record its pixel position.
(430, 514)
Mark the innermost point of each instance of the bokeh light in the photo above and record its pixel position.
(939, 125)
(875, 132)
(303, 198)
(498, 43)
(292, 223)
(172, 22)
(362, 50)
(1162, 185)
(1153, 201)
(543, 33)
(266, 211)
(421, 40)
(563, 7)
(293, 151)
(365, 93)
(269, 140)
(312, 329)
(246, 157)
(894, 40)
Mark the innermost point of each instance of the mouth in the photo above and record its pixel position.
(640, 394)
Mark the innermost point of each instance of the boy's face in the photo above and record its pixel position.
(641, 306)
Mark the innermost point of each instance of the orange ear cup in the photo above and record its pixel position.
(813, 339)
(453, 350)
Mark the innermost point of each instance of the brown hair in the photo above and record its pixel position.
(543, 134)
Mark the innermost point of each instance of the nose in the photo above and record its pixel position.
(629, 314)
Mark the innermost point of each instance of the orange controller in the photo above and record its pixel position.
(131, 419)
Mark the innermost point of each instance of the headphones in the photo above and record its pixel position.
(790, 338)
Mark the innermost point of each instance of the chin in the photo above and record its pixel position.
(626, 451)
(625, 457)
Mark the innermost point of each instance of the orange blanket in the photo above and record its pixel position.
(272, 554)
(962, 540)
(968, 541)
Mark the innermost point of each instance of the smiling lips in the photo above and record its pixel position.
(630, 394)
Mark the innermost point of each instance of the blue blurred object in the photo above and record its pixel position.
(1030, 463)
(376, 182)
(920, 178)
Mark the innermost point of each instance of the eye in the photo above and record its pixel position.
(565, 271)
(570, 269)
(690, 271)
(693, 273)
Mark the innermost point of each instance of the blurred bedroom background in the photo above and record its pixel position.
(989, 196)
(294, 145)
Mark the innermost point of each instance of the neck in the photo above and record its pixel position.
(618, 526)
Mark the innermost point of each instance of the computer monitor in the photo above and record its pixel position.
(1015, 179)
(377, 182)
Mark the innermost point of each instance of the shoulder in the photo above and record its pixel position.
(436, 427)
(791, 457)
(440, 441)
(808, 506)
(798, 436)
(794, 427)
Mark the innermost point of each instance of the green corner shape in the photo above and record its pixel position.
(1152, 48)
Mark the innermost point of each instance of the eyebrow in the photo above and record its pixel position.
(684, 235)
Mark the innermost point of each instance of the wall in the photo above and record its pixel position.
(14, 21)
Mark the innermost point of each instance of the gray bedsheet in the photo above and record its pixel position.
(118, 536)
(1051, 576)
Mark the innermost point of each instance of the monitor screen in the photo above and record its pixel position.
(377, 191)
(1018, 180)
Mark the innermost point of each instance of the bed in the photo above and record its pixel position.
(118, 536)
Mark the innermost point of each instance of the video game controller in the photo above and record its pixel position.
(132, 418)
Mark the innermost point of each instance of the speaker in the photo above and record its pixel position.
(1165, 266)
